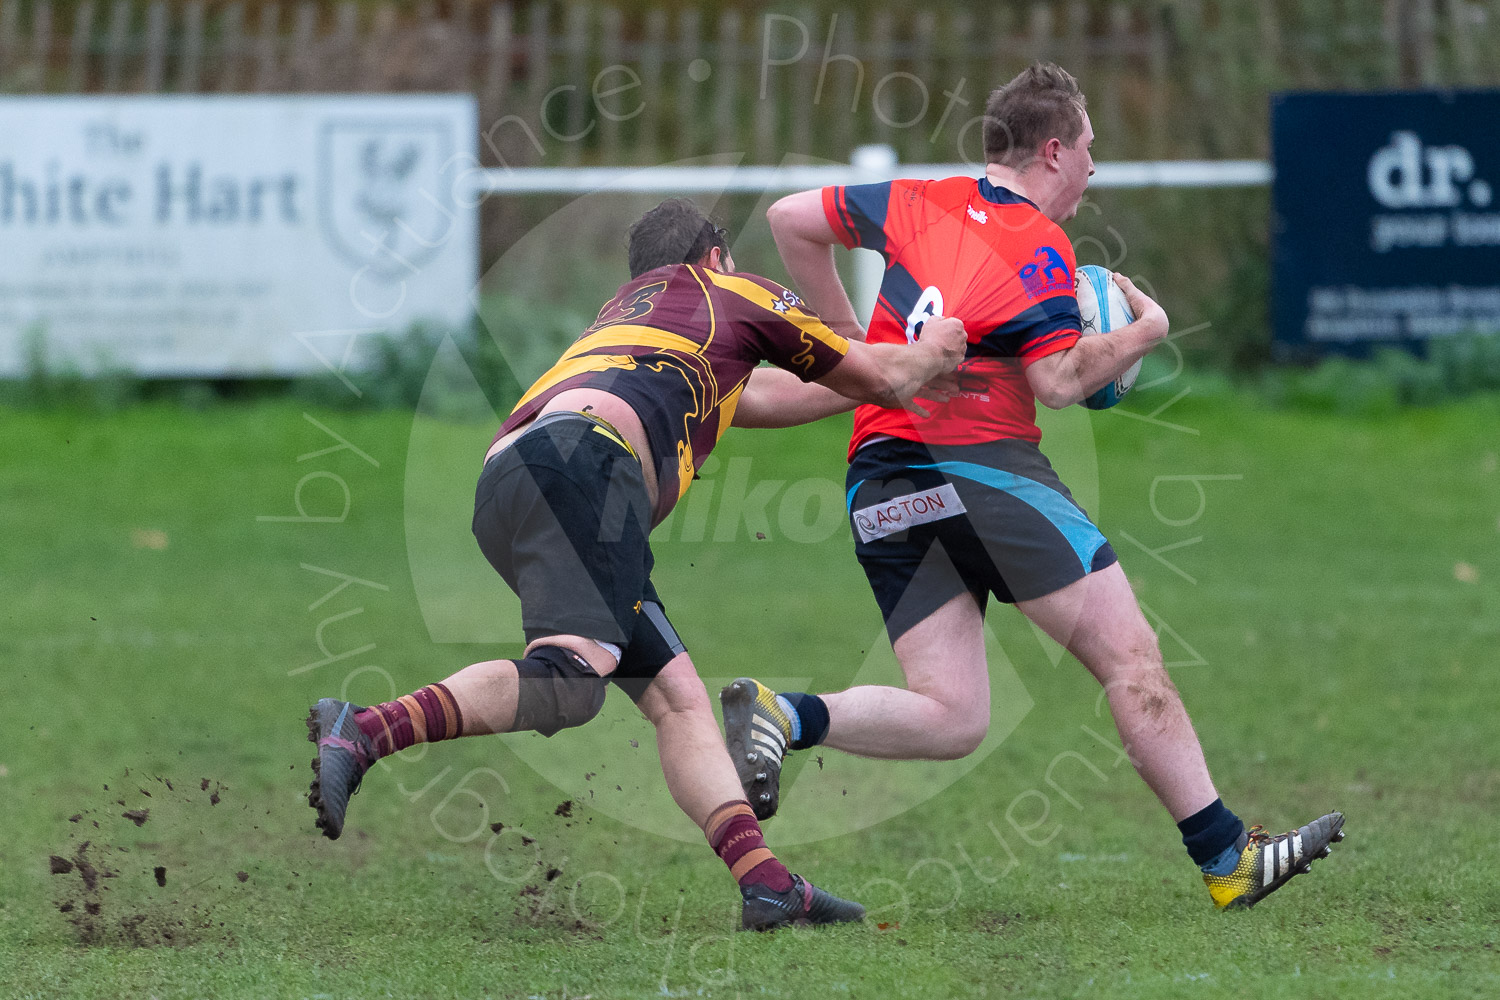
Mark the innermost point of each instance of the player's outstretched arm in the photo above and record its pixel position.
(776, 398)
(1067, 377)
(894, 374)
(806, 241)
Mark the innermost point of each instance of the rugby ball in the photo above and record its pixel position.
(1102, 307)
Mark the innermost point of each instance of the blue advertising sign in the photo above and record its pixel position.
(1385, 220)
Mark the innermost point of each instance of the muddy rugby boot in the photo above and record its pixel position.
(757, 732)
(1267, 863)
(344, 754)
(803, 903)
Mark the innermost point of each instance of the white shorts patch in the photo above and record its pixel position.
(900, 513)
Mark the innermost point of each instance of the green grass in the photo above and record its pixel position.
(1336, 648)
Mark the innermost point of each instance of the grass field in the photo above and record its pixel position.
(1332, 614)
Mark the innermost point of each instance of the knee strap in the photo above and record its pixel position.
(558, 690)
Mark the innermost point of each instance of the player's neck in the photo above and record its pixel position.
(1028, 185)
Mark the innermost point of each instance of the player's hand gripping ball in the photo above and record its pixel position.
(1102, 306)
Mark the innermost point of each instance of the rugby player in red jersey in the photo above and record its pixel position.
(595, 455)
(960, 504)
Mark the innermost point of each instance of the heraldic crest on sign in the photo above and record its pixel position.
(385, 191)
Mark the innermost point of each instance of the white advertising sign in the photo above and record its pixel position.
(241, 236)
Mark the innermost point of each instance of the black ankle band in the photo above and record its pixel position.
(1211, 830)
(812, 715)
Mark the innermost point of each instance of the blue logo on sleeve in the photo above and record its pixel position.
(1046, 275)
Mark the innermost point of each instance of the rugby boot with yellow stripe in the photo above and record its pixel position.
(757, 731)
(1267, 863)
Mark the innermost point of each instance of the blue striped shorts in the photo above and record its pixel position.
(931, 522)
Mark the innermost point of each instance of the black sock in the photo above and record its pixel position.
(812, 716)
(1210, 831)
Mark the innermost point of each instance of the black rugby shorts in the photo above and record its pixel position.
(932, 522)
(563, 516)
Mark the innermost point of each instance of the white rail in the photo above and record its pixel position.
(870, 163)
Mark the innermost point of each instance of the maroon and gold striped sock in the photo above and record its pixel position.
(424, 716)
(735, 837)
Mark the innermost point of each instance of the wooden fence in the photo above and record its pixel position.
(585, 83)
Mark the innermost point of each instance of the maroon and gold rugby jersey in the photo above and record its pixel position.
(966, 248)
(678, 344)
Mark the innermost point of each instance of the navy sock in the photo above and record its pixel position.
(1210, 831)
(812, 719)
(1223, 864)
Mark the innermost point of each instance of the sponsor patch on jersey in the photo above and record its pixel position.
(900, 513)
(1047, 274)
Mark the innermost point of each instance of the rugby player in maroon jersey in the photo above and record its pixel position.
(595, 455)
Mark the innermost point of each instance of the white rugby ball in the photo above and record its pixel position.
(1102, 307)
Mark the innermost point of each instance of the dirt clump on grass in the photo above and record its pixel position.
(109, 888)
(80, 901)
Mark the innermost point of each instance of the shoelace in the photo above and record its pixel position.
(1258, 835)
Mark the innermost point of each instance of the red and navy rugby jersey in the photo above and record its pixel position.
(966, 248)
(678, 344)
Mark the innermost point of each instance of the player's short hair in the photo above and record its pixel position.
(1043, 102)
(674, 232)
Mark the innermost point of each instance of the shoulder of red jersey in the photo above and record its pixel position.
(1044, 317)
(1049, 321)
(947, 192)
(882, 216)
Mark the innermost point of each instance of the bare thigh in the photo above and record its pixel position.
(1099, 621)
(943, 658)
